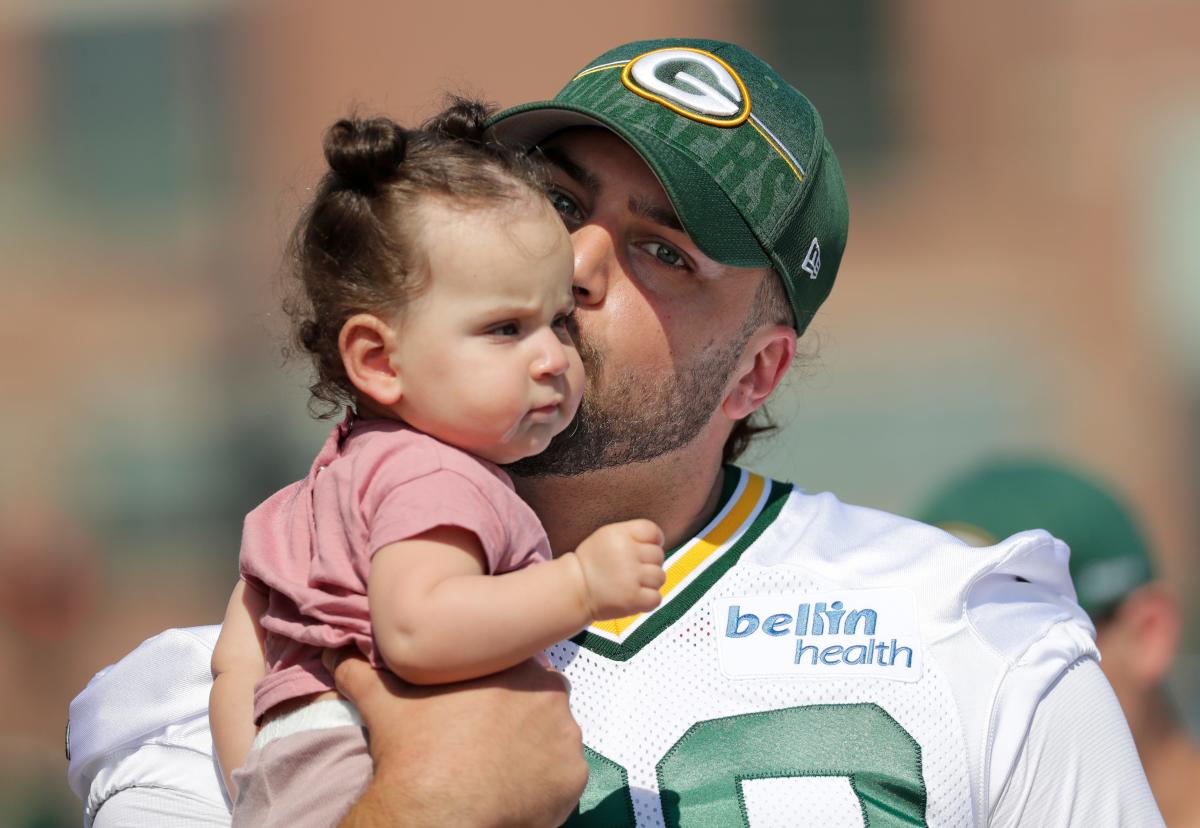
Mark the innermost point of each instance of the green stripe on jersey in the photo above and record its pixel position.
(741, 492)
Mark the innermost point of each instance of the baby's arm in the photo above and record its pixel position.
(438, 617)
(237, 664)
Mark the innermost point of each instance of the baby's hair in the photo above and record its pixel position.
(355, 249)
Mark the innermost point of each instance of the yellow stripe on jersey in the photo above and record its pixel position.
(740, 515)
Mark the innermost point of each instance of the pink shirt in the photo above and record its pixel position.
(309, 546)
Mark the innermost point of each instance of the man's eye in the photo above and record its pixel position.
(566, 206)
(665, 254)
(504, 329)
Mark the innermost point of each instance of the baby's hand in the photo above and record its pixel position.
(622, 569)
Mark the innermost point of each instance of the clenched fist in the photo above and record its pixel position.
(622, 566)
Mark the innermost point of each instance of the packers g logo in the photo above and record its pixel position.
(693, 83)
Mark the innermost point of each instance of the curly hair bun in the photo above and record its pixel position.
(365, 154)
(463, 120)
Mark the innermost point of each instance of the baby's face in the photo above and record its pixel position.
(484, 355)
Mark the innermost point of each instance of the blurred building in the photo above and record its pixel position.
(1023, 271)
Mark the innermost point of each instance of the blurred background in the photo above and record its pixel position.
(1023, 273)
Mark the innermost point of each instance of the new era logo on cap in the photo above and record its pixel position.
(812, 259)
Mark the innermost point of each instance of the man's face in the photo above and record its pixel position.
(660, 324)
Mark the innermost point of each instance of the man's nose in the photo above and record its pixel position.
(594, 260)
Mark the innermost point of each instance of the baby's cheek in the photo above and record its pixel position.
(576, 377)
(497, 400)
(576, 382)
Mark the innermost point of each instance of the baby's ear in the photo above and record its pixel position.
(366, 344)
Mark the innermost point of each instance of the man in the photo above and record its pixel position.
(1136, 615)
(810, 662)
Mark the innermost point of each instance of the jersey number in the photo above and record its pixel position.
(700, 778)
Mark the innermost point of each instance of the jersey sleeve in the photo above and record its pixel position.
(445, 497)
(1024, 608)
(1077, 766)
(143, 723)
(157, 807)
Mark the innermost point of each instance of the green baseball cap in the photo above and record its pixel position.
(1109, 555)
(741, 154)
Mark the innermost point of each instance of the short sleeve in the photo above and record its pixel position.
(1078, 765)
(142, 723)
(441, 498)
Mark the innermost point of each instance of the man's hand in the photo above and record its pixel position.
(498, 751)
(622, 567)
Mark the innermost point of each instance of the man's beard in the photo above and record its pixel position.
(631, 419)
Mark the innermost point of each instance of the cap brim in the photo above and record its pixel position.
(707, 214)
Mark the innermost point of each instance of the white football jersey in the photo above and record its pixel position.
(811, 664)
(814, 663)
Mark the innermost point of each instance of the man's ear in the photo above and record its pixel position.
(766, 358)
(366, 344)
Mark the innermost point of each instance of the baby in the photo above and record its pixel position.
(438, 304)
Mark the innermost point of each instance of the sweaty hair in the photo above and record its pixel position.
(356, 247)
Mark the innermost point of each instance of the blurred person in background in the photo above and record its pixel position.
(1137, 615)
